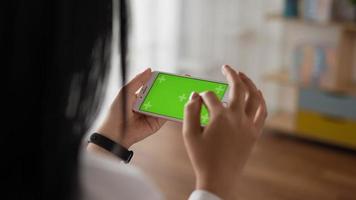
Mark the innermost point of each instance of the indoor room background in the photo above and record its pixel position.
(301, 54)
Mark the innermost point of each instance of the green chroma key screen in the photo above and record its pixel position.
(169, 93)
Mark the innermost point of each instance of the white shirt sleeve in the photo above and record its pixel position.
(203, 195)
(109, 179)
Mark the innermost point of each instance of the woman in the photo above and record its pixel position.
(57, 59)
(231, 131)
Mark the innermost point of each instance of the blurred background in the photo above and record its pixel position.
(300, 53)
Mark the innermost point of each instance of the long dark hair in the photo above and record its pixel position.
(57, 61)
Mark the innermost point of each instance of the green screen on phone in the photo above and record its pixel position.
(169, 93)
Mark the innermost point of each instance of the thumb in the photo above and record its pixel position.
(191, 122)
(131, 88)
(139, 80)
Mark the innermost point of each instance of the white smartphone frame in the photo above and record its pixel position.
(147, 86)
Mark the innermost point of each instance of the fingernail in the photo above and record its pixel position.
(202, 93)
(147, 69)
(223, 68)
(193, 96)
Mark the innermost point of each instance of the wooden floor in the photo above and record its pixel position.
(280, 168)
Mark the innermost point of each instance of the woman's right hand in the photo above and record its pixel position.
(219, 151)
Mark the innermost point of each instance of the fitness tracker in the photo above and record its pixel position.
(111, 146)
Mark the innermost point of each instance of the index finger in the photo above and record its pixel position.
(238, 89)
(191, 120)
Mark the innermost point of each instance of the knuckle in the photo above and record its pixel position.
(208, 93)
(241, 96)
(243, 88)
(235, 84)
(257, 100)
(233, 107)
(219, 115)
(239, 86)
(254, 99)
(188, 106)
(236, 78)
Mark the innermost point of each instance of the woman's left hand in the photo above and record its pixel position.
(138, 126)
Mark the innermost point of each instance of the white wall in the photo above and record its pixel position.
(198, 36)
(155, 26)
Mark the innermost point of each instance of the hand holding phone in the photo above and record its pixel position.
(165, 95)
(138, 126)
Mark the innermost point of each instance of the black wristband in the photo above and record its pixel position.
(111, 146)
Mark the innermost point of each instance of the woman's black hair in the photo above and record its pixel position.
(56, 63)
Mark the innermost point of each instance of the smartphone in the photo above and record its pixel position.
(165, 95)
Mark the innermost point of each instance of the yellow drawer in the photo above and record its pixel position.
(328, 129)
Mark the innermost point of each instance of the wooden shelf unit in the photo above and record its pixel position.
(349, 26)
(286, 122)
(283, 78)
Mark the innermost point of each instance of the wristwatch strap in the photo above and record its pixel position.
(111, 146)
